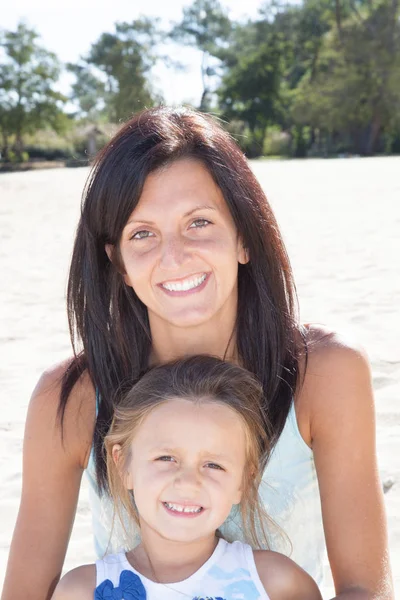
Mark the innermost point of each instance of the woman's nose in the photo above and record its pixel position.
(173, 252)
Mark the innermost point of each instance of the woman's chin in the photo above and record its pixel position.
(188, 321)
(188, 317)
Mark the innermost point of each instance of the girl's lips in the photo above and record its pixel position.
(183, 515)
(186, 292)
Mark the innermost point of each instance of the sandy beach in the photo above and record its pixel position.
(341, 221)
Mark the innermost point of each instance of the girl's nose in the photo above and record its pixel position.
(187, 479)
(173, 252)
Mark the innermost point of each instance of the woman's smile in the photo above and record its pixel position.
(188, 285)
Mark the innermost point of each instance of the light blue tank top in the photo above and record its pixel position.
(289, 491)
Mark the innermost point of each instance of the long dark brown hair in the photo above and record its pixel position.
(109, 324)
(197, 379)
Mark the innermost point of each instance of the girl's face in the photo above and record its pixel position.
(180, 247)
(185, 471)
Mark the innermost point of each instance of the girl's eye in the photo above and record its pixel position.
(199, 223)
(166, 458)
(142, 234)
(214, 466)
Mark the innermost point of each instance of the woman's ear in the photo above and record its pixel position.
(243, 253)
(109, 248)
(110, 251)
(125, 476)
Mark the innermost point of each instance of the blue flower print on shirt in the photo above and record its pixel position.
(130, 588)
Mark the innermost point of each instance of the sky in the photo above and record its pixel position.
(69, 28)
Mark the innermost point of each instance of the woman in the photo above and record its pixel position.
(177, 252)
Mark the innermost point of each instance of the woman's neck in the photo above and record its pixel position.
(217, 338)
(167, 561)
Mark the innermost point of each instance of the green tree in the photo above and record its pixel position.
(206, 26)
(28, 100)
(354, 93)
(303, 27)
(125, 59)
(88, 91)
(250, 89)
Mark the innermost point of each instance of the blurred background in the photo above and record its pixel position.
(289, 78)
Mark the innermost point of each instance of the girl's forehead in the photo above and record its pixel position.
(186, 423)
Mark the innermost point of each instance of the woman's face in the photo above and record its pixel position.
(180, 247)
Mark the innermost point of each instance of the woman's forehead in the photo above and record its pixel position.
(184, 186)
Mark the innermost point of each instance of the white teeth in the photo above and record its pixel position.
(183, 286)
(183, 509)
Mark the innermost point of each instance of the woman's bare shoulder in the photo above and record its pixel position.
(324, 342)
(78, 583)
(332, 368)
(80, 411)
(333, 358)
(51, 380)
(284, 579)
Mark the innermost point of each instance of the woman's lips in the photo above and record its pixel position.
(186, 292)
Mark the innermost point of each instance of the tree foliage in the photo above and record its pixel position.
(88, 91)
(28, 98)
(122, 61)
(353, 92)
(327, 71)
(323, 74)
(250, 89)
(205, 25)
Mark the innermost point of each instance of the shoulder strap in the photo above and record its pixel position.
(110, 567)
(245, 557)
(100, 572)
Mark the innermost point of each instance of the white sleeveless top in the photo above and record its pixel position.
(290, 494)
(229, 574)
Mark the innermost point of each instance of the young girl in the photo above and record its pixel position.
(187, 443)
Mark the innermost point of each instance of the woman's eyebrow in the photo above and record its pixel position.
(204, 207)
(187, 214)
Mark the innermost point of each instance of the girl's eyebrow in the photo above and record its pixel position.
(164, 449)
(207, 455)
(220, 457)
(187, 214)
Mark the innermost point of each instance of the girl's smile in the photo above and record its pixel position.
(183, 510)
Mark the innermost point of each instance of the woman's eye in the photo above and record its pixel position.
(214, 466)
(199, 223)
(142, 234)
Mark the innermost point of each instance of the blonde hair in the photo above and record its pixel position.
(198, 378)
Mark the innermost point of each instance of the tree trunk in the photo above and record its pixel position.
(19, 146)
(203, 101)
(4, 147)
(373, 134)
(338, 15)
